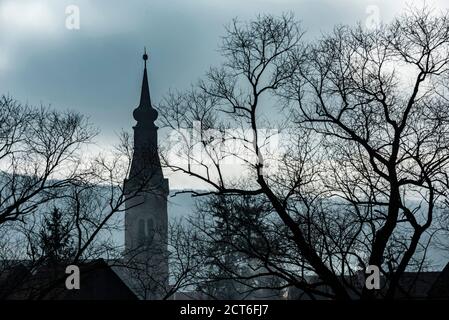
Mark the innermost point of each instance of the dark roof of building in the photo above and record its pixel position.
(440, 288)
(416, 285)
(97, 282)
(412, 285)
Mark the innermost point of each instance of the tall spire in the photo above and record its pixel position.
(145, 113)
(145, 100)
(146, 191)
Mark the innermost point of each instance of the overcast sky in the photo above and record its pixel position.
(97, 69)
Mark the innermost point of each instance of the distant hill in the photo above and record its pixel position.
(180, 205)
(183, 205)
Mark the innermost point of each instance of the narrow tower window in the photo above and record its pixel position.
(150, 230)
(141, 233)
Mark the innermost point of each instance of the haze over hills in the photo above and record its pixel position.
(182, 205)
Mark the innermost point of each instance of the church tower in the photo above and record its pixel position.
(146, 189)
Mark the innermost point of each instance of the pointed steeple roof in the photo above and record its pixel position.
(145, 113)
(145, 99)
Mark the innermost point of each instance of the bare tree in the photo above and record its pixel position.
(45, 168)
(260, 60)
(40, 155)
(365, 151)
(376, 98)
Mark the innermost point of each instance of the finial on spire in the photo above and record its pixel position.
(145, 113)
(145, 56)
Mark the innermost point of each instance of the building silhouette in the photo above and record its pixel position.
(146, 189)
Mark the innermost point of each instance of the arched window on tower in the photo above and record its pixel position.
(141, 233)
(150, 230)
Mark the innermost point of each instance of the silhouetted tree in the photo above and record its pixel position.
(55, 239)
(364, 152)
(378, 100)
(45, 165)
(232, 241)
